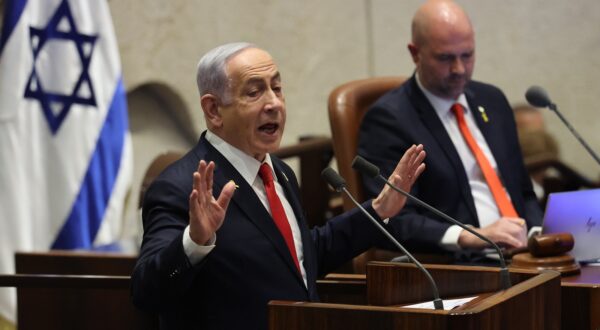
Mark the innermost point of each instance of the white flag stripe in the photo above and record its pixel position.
(112, 223)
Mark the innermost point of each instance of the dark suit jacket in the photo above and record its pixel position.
(404, 117)
(250, 264)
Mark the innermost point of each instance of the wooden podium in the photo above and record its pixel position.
(389, 286)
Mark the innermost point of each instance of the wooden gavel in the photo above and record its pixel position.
(548, 251)
(550, 244)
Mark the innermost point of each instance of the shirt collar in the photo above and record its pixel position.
(245, 164)
(440, 105)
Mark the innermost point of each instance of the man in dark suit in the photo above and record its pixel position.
(224, 230)
(475, 171)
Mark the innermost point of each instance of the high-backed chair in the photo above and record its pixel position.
(347, 105)
(158, 164)
(541, 156)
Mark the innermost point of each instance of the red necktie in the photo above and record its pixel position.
(277, 211)
(504, 204)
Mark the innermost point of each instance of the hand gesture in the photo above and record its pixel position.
(410, 166)
(508, 232)
(205, 212)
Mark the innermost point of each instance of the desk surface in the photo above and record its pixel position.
(590, 277)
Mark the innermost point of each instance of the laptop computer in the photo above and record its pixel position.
(578, 213)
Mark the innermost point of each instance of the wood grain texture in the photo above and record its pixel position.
(523, 306)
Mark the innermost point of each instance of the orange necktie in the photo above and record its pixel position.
(504, 204)
(277, 211)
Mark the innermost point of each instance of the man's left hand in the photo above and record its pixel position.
(409, 168)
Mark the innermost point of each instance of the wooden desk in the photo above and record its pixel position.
(389, 286)
(580, 295)
(56, 291)
(580, 299)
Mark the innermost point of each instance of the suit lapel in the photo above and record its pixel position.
(292, 197)
(290, 194)
(246, 200)
(434, 125)
(478, 109)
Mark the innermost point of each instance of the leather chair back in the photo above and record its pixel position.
(347, 105)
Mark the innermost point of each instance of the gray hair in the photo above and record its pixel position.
(211, 76)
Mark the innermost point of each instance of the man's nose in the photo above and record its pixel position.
(272, 100)
(458, 67)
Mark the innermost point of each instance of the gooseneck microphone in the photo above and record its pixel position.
(370, 170)
(339, 184)
(538, 97)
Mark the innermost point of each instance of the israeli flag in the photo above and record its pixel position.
(65, 148)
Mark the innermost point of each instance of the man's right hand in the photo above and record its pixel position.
(205, 212)
(507, 232)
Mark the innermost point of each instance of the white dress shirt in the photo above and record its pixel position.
(485, 204)
(248, 168)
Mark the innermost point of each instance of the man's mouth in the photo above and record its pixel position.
(269, 128)
(457, 79)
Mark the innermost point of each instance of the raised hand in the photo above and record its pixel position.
(410, 166)
(205, 212)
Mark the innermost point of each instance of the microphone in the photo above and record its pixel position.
(370, 170)
(538, 97)
(339, 184)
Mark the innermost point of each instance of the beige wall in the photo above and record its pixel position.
(320, 44)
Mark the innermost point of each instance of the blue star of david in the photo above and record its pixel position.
(56, 106)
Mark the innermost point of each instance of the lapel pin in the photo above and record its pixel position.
(236, 186)
(483, 114)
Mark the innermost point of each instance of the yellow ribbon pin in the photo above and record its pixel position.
(483, 114)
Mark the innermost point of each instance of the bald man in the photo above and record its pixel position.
(495, 198)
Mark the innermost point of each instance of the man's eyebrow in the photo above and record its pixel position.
(257, 80)
(254, 81)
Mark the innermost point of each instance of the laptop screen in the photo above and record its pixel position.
(578, 213)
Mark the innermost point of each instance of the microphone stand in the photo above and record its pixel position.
(554, 108)
(437, 302)
(339, 184)
(504, 274)
(372, 171)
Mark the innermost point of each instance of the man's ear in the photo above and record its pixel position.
(210, 106)
(414, 52)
